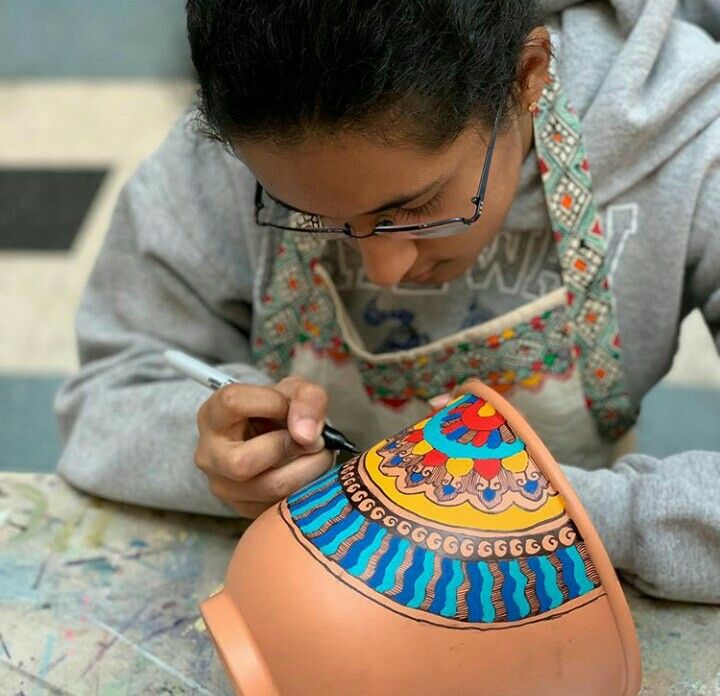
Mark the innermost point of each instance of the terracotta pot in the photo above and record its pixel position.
(451, 558)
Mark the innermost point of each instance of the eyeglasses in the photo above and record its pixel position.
(273, 213)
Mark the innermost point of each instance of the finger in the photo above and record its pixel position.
(306, 412)
(243, 461)
(235, 403)
(276, 484)
(440, 401)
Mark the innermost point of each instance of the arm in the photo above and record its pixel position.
(660, 518)
(173, 272)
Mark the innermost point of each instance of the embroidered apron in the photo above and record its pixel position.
(557, 359)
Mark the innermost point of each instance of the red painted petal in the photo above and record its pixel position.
(481, 438)
(434, 458)
(414, 436)
(487, 468)
(473, 420)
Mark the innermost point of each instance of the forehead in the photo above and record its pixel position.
(346, 175)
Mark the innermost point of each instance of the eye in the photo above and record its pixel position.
(421, 212)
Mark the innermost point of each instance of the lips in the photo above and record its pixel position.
(419, 276)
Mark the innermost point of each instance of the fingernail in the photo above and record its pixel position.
(307, 429)
(440, 400)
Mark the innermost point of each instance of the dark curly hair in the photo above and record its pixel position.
(414, 70)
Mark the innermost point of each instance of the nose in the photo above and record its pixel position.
(387, 260)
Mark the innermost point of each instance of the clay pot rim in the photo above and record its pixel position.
(609, 581)
(230, 634)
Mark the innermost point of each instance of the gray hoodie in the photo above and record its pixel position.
(181, 260)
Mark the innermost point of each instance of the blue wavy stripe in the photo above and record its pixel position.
(329, 541)
(573, 572)
(451, 607)
(411, 575)
(315, 485)
(421, 584)
(329, 500)
(383, 562)
(445, 600)
(438, 603)
(479, 598)
(313, 492)
(581, 577)
(352, 556)
(546, 587)
(362, 563)
(318, 498)
(389, 582)
(513, 590)
(317, 519)
(475, 609)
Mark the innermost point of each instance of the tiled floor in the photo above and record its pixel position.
(66, 125)
(86, 92)
(43, 209)
(75, 142)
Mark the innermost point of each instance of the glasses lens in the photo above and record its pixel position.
(275, 214)
(447, 230)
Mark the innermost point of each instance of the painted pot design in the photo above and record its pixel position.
(452, 557)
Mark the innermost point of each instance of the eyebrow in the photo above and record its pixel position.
(402, 200)
(389, 205)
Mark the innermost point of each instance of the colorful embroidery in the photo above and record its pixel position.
(518, 556)
(565, 174)
(522, 356)
(296, 310)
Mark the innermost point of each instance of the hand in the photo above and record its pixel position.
(258, 445)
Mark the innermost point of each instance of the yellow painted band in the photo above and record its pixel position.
(464, 515)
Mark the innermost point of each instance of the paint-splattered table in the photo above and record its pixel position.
(100, 598)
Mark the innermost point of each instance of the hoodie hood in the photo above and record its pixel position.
(644, 80)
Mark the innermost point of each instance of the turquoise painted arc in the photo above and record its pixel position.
(416, 577)
(438, 441)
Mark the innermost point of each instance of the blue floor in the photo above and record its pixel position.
(93, 38)
(29, 438)
(676, 419)
(673, 420)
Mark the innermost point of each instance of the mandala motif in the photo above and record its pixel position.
(491, 470)
(451, 518)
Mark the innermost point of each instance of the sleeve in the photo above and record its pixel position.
(172, 272)
(660, 518)
(702, 279)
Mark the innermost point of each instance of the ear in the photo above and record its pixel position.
(533, 66)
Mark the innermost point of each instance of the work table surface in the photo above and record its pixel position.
(102, 598)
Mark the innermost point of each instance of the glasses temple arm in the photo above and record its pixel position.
(480, 197)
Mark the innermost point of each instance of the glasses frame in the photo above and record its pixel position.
(478, 200)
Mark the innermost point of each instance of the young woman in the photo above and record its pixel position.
(399, 196)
